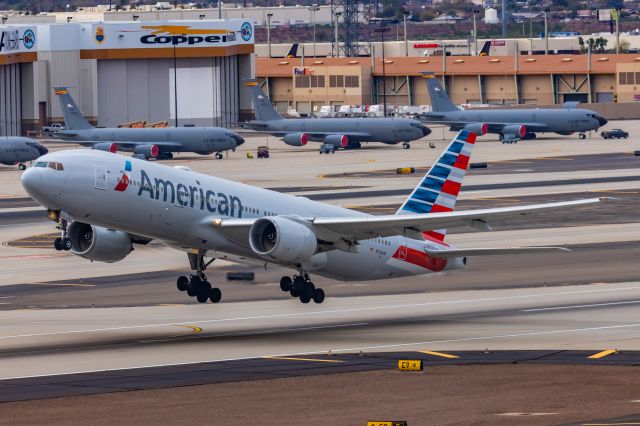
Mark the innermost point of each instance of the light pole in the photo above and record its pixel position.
(175, 80)
(314, 8)
(269, 15)
(546, 32)
(617, 30)
(405, 14)
(383, 30)
(337, 53)
(475, 32)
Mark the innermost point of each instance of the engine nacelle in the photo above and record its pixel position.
(282, 239)
(339, 141)
(106, 146)
(98, 243)
(516, 130)
(477, 128)
(149, 151)
(296, 139)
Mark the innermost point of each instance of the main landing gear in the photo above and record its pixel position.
(301, 286)
(62, 242)
(406, 145)
(196, 285)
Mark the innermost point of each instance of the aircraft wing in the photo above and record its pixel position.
(350, 230)
(493, 127)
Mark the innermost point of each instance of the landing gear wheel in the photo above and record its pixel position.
(305, 298)
(22, 167)
(318, 295)
(57, 244)
(202, 298)
(194, 286)
(218, 156)
(582, 136)
(299, 285)
(293, 293)
(66, 244)
(183, 283)
(309, 289)
(215, 295)
(286, 284)
(406, 145)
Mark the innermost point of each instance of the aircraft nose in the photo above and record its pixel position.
(425, 130)
(42, 150)
(32, 180)
(601, 120)
(239, 140)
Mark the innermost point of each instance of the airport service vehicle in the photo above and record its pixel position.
(145, 143)
(105, 203)
(19, 150)
(614, 134)
(511, 124)
(55, 127)
(339, 132)
(263, 151)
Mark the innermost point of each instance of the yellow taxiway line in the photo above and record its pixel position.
(603, 354)
(443, 355)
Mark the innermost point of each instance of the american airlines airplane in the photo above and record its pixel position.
(105, 203)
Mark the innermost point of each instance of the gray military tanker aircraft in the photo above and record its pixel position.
(19, 150)
(146, 143)
(510, 123)
(220, 219)
(333, 132)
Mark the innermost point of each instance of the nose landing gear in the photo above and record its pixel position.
(62, 242)
(22, 166)
(300, 286)
(196, 285)
(582, 135)
(406, 145)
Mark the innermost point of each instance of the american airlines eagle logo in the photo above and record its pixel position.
(123, 181)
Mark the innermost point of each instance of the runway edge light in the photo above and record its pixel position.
(410, 365)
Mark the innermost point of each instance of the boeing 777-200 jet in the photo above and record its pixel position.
(86, 192)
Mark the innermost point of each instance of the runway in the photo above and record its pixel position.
(45, 342)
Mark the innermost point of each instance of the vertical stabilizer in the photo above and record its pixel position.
(439, 189)
(293, 51)
(264, 109)
(440, 101)
(73, 118)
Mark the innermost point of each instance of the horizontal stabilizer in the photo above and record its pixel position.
(492, 251)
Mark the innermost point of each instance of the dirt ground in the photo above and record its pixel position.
(489, 394)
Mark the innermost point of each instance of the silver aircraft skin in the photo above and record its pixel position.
(18, 150)
(146, 143)
(336, 132)
(510, 123)
(104, 203)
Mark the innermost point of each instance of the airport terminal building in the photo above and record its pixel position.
(122, 72)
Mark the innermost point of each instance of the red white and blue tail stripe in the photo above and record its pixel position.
(438, 190)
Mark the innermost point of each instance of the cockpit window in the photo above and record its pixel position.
(59, 166)
(51, 164)
(41, 164)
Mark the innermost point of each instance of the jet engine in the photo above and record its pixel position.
(477, 128)
(296, 139)
(149, 151)
(98, 243)
(339, 141)
(106, 146)
(517, 131)
(282, 239)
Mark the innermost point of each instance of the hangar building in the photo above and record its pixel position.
(121, 72)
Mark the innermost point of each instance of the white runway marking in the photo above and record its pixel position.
(336, 311)
(556, 308)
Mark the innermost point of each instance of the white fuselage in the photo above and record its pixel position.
(179, 207)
